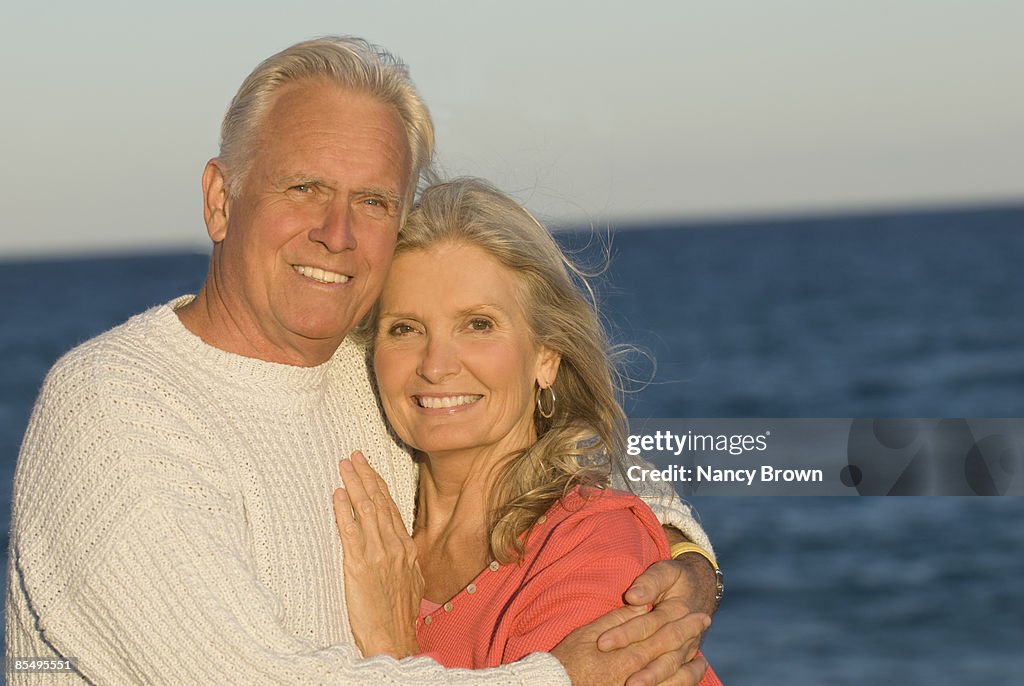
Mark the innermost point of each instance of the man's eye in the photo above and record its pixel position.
(376, 206)
(303, 187)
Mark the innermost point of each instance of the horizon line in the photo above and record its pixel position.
(680, 222)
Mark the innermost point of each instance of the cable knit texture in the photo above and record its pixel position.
(172, 523)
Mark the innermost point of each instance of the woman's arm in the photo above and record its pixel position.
(581, 571)
(666, 504)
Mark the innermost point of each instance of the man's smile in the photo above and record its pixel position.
(321, 275)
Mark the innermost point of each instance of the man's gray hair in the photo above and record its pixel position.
(352, 63)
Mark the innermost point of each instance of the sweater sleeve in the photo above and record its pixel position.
(586, 564)
(666, 504)
(133, 559)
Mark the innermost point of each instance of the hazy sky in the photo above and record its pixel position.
(642, 110)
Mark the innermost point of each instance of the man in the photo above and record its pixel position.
(172, 519)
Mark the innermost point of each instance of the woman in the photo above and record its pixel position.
(493, 366)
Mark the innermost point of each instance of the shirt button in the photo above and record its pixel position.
(494, 566)
(427, 620)
(448, 607)
(542, 519)
(471, 589)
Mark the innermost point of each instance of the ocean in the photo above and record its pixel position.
(913, 314)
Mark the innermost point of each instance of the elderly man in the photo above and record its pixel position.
(172, 518)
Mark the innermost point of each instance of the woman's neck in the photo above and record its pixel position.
(454, 492)
(451, 533)
(457, 487)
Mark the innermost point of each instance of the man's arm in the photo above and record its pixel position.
(136, 559)
(136, 562)
(663, 668)
(680, 587)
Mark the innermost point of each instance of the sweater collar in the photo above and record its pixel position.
(248, 370)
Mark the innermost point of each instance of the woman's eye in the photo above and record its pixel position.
(400, 329)
(480, 324)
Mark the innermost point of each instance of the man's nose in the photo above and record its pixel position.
(335, 231)
(440, 359)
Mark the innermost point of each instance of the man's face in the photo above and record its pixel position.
(306, 244)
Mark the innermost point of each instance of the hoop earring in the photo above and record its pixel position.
(540, 402)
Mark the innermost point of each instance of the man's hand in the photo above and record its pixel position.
(672, 638)
(690, 578)
(676, 588)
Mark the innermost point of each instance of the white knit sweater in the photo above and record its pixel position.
(172, 520)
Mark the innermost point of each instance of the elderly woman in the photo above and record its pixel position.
(494, 367)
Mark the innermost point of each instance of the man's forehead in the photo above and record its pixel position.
(327, 101)
(314, 119)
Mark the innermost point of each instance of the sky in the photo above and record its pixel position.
(642, 111)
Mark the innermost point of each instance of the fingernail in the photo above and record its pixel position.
(359, 457)
(346, 465)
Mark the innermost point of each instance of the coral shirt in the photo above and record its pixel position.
(580, 559)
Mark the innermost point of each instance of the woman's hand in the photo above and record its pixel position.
(383, 582)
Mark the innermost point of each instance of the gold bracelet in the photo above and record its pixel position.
(677, 550)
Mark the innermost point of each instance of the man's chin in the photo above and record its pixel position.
(320, 332)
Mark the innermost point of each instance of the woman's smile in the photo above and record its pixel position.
(455, 359)
(446, 402)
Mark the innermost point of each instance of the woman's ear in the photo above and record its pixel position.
(547, 366)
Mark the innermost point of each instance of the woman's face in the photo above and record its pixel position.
(455, 360)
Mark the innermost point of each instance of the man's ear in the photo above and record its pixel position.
(215, 200)
(547, 366)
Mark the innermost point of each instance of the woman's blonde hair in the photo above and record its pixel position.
(576, 444)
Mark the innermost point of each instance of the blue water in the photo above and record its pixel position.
(891, 315)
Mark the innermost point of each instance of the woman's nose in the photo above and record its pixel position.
(440, 360)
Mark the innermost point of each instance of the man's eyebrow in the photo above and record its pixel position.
(389, 195)
(300, 178)
(293, 179)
